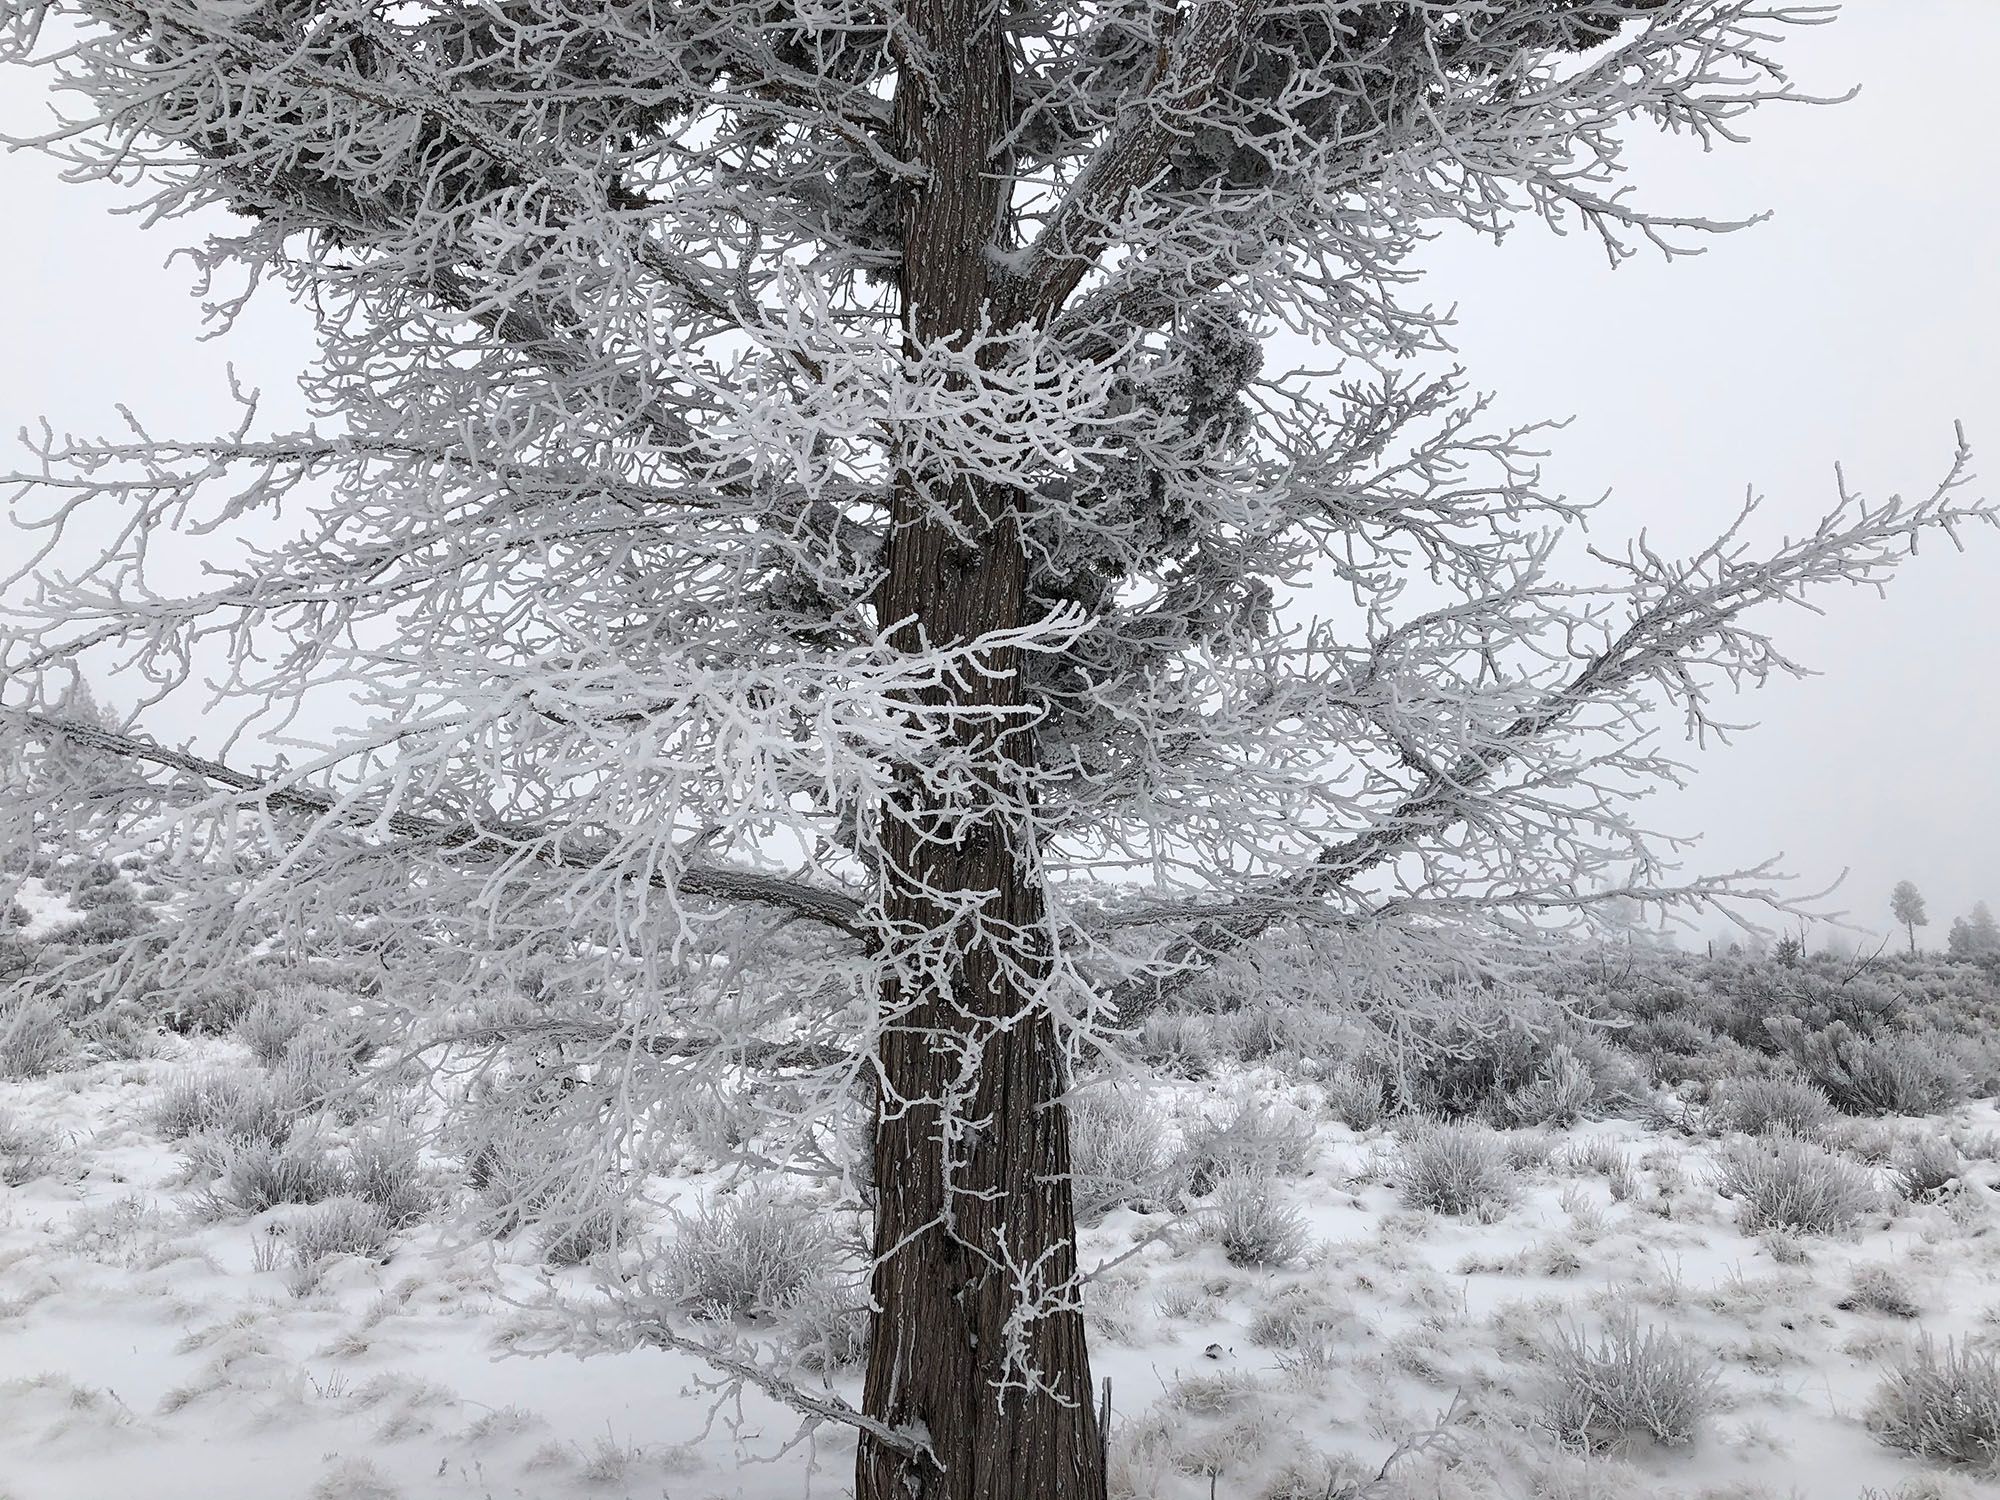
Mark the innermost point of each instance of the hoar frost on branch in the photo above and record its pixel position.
(804, 534)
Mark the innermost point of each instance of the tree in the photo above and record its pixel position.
(818, 563)
(1975, 936)
(1907, 903)
(1984, 931)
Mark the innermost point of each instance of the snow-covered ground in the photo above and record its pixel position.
(1284, 1305)
(146, 1352)
(45, 908)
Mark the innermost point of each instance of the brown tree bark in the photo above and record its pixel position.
(973, 1217)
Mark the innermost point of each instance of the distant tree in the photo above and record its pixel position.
(1789, 951)
(1908, 905)
(81, 704)
(1977, 936)
(76, 702)
(1985, 931)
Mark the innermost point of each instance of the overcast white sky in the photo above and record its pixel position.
(1855, 326)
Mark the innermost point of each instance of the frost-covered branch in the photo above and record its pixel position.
(494, 836)
(1686, 617)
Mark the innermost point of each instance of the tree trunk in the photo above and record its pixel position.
(977, 1340)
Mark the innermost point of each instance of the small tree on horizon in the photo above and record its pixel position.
(812, 558)
(1908, 905)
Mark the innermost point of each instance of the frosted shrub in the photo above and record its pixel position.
(1462, 1060)
(1177, 1045)
(34, 1042)
(1457, 1169)
(1981, 1145)
(1796, 1187)
(1600, 1156)
(1265, 1031)
(501, 1149)
(527, 1171)
(318, 1072)
(121, 1030)
(355, 1479)
(127, 1231)
(1923, 1487)
(1255, 1033)
(211, 1006)
(829, 1328)
(1631, 1381)
(99, 897)
(1118, 1151)
(1594, 1156)
(1254, 1224)
(1888, 1073)
(534, 1168)
(1879, 1289)
(1526, 1150)
(1760, 1106)
(1926, 1168)
(255, 1175)
(577, 1234)
(385, 1167)
(714, 1121)
(1258, 1139)
(269, 1026)
(113, 922)
(1942, 1405)
(1505, 1059)
(26, 1151)
(1561, 1094)
(1356, 1097)
(745, 1254)
(1304, 1317)
(1309, 1475)
(339, 1226)
(228, 1106)
(1872, 1141)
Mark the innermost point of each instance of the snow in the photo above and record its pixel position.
(153, 1356)
(167, 1364)
(46, 907)
(1427, 1303)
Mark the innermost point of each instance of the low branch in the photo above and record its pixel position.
(833, 909)
(818, 1407)
(588, 1333)
(750, 1052)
